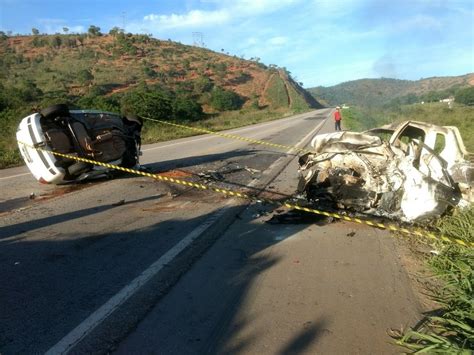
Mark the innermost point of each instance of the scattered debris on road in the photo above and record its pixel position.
(230, 168)
(298, 217)
(119, 203)
(411, 171)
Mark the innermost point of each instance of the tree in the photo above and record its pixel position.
(432, 96)
(202, 84)
(154, 104)
(94, 31)
(223, 100)
(35, 31)
(465, 96)
(28, 91)
(184, 108)
(115, 30)
(65, 29)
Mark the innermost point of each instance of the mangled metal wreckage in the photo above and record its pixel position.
(411, 171)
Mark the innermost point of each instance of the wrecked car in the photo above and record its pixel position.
(410, 171)
(97, 135)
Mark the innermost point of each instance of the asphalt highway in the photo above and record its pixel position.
(137, 265)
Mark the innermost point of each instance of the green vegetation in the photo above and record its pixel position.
(461, 116)
(452, 330)
(360, 119)
(155, 132)
(276, 92)
(392, 92)
(131, 74)
(465, 96)
(222, 100)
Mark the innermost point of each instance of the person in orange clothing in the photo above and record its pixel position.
(338, 118)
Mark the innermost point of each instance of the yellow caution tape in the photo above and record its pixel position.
(231, 136)
(227, 192)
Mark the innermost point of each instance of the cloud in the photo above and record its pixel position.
(278, 41)
(225, 12)
(194, 18)
(56, 25)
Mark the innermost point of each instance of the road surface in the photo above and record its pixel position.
(135, 265)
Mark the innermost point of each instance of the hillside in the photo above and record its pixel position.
(378, 92)
(138, 74)
(75, 65)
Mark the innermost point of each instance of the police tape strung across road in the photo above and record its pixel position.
(226, 135)
(227, 192)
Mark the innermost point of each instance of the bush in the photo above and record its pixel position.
(451, 330)
(149, 72)
(94, 31)
(85, 76)
(203, 84)
(155, 104)
(223, 100)
(465, 96)
(99, 103)
(184, 108)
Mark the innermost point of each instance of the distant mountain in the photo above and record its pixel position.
(378, 92)
(76, 65)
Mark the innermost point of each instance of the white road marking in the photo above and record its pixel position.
(90, 323)
(13, 176)
(234, 131)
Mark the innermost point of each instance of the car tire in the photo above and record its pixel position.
(55, 111)
(134, 119)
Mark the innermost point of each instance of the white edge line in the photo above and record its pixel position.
(90, 323)
(279, 160)
(13, 176)
(97, 317)
(231, 131)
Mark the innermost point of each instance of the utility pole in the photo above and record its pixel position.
(198, 39)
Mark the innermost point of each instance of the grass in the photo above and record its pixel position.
(452, 330)
(156, 132)
(152, 133)
(461, 116)
(276, 93)
(297, 101)
(56, 73)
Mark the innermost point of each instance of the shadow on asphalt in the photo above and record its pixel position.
(25, 227)
(50, 286)
(310, 333)
(192, 161)
(51, 283)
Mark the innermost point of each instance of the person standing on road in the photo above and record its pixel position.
(338, 118)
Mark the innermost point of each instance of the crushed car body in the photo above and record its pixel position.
(97, 135)
(411, 171)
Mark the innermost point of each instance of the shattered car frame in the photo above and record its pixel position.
(97, 135)
(411, 171)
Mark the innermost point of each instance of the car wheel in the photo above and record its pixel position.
(134, 119)
(55, 111)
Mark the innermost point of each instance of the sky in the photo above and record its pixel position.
(321, 42)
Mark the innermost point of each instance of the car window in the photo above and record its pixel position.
(408, 135)
(440, 143)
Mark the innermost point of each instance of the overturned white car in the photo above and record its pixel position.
(411, 171)
(102, 136)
